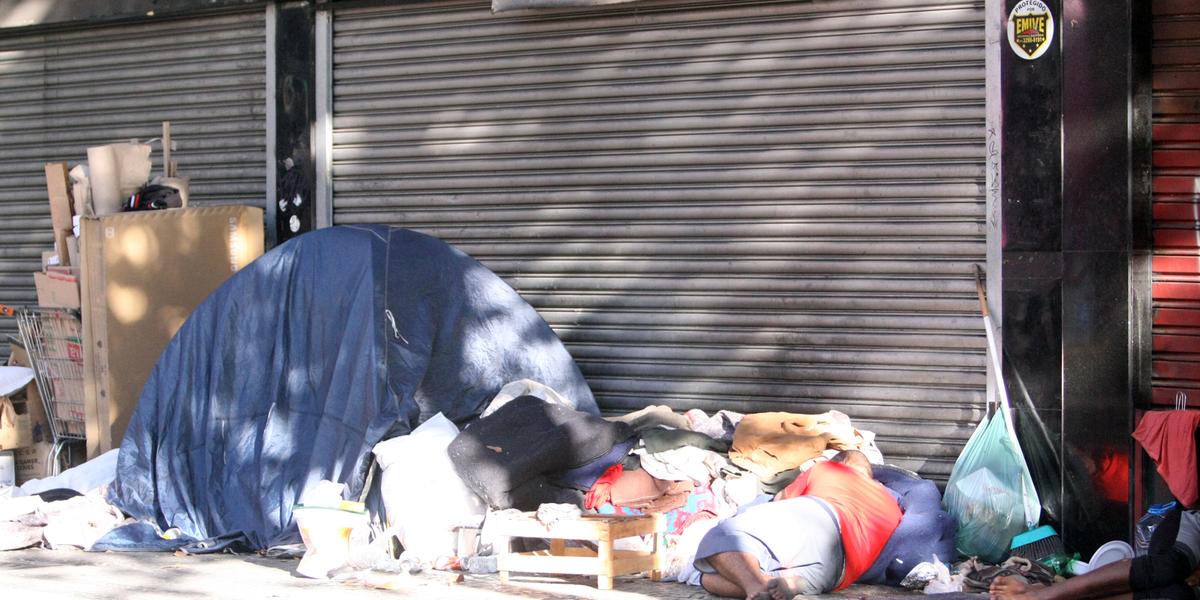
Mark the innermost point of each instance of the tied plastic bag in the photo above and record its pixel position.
(932, 578)
(990, 492)
(424, 496)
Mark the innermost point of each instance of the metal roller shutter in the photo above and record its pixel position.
(62, 91)
(1176, 201)
(754, 205)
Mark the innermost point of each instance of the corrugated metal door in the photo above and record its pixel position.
(1176, 201)
(754, 205)
(62, 91)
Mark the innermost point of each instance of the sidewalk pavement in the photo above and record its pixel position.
(30, 574)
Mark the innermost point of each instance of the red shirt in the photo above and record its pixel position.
(867, 513)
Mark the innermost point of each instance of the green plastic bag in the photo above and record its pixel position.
(990, 492)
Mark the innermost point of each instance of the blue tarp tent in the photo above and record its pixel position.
(293, 369)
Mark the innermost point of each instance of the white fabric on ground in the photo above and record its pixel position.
(78, 522)
(91, 475)
(686, 463)
(72, 523)
(525, 387)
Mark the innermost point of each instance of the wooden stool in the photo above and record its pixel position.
(605, 564)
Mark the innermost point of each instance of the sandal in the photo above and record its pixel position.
(1035, 572)
(981, 579)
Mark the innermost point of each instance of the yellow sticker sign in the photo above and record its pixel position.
(1030, 29)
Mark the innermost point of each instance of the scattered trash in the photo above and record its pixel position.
(479, 565)
(932, 577)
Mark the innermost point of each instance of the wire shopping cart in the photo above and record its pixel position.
(54, 341)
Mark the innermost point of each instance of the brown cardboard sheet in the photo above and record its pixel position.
(143, 274)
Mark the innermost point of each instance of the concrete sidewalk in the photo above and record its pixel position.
(29, 574)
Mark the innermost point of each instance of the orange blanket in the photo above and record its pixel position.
(770, 443)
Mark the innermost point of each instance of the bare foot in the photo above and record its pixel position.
(784, 588)
(1010, 588)
(759, 593)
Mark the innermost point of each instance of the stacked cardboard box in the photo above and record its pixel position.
(58, 281)
(134, 277)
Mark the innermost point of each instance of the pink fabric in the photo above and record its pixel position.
(1169, 438)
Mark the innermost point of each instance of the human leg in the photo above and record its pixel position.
(815, 566)
(736, 555)
(737, 575)
(1109, 581)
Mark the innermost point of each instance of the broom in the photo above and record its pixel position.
(1042, 542)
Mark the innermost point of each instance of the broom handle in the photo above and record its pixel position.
(979, 291)
(991, 344)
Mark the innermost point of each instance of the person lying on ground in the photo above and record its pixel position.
(819, 534)
(1167, 572)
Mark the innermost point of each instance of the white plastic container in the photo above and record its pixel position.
(8, 469)
(326, 534)
(1109, 553)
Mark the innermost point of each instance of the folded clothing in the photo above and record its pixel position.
(690, 463)
(772, 442)
(698, 504)
(528, 440)
(654, 416)
(720, 426)
(661, 440)
(583, 478)
(638, 489)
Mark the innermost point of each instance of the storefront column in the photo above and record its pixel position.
(1066, 250)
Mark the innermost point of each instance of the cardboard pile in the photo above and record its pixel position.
(116, 178)
(134, 260)
(24, 428)
(58, 282)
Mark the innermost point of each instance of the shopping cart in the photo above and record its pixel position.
(53, 339)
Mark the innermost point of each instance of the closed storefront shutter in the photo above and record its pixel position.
(64, 90)
(752, 205)
(1176, 175)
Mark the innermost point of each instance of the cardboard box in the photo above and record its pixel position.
(143, 274)
(60, 247)
(15, 428)
(31, 461)
(58, 186)
(23, 419)
(72, 244)
(56, 290)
